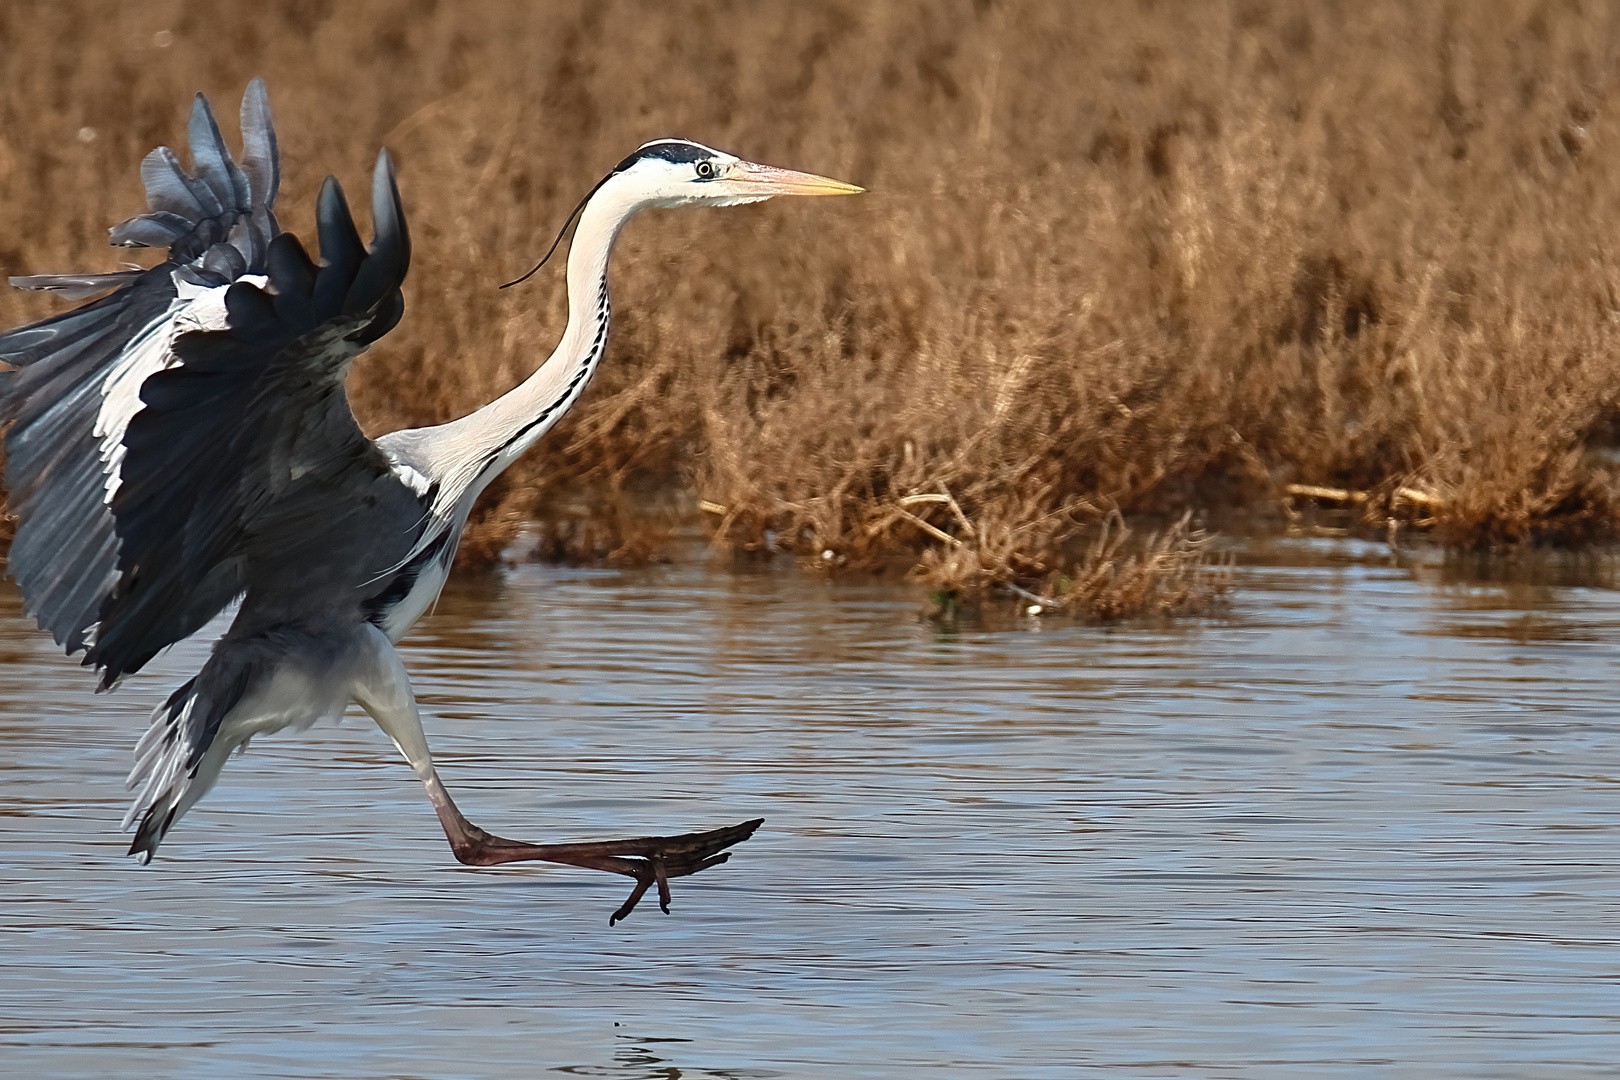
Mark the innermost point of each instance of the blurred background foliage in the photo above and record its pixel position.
(1130, 255)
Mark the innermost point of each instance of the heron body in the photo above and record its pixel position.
(185, 441)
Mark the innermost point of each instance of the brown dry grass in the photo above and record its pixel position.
(1112, 578)
(1139, 254)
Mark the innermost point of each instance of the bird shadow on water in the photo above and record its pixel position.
(636, 1058)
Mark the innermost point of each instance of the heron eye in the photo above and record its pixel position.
(705, 170)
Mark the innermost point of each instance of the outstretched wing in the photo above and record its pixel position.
(168, 439)
(246, 448)
(77, 375)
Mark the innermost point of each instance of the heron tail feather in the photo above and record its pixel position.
(177, 760)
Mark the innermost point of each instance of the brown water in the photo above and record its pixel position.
(1368, 824)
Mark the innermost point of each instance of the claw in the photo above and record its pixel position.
(630, 905)
(658, 867)
(668, 859)
(663, 885)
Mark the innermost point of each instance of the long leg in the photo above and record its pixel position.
(383, 689)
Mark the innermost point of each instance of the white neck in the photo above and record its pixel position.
(470, 452)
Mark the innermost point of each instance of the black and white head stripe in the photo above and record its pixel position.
(674, 151)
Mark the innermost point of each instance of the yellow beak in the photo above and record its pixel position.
(747, 178)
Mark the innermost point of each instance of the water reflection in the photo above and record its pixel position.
(1367, 818)
(642, 1059)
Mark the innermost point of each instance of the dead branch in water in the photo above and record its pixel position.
(1169, 574)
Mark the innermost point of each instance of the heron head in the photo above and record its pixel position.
(678, 172)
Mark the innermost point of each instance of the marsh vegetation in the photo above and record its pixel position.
(1126, 258)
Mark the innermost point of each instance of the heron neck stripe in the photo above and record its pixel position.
(592, 357)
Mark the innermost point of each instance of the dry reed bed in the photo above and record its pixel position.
(1138, 256)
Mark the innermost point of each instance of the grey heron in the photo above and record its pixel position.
(184, 441)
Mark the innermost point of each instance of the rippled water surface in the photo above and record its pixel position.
(1367, 824)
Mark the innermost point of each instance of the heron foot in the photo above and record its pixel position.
(651, 860)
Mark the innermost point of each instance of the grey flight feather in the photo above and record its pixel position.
(76, 286)
(261, 161)
(63, 553)
(217, 226)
